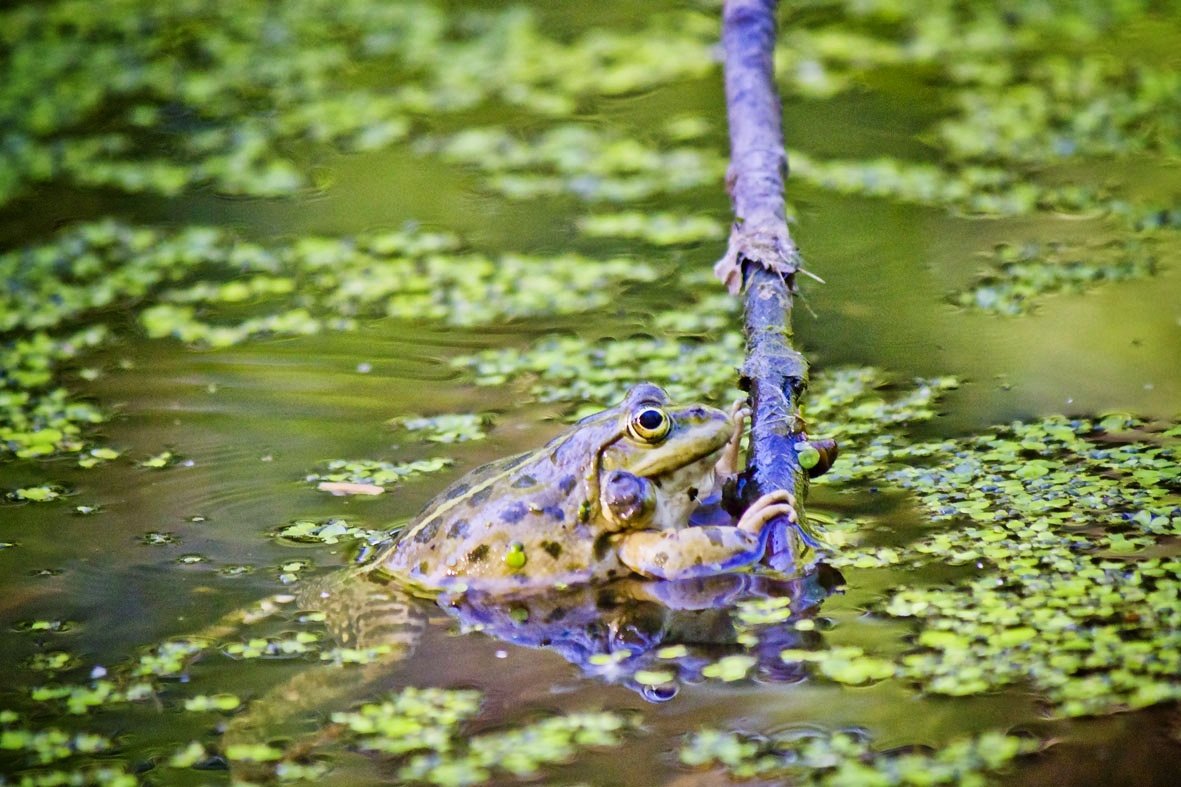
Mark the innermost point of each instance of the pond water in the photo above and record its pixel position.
(511, 213)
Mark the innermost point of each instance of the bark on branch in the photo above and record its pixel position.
(762, 256)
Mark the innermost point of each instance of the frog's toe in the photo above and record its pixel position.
(739, 415)
(777, 503)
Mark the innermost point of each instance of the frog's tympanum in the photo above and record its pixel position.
(610, 497)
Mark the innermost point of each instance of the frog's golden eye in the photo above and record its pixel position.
(650, 425)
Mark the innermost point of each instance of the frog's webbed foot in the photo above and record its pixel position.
(728, 462)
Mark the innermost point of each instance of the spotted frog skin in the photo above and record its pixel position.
(611, 497)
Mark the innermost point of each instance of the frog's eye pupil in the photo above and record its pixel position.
(651, 419)
(650, 425)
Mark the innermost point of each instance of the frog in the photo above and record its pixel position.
(610, 497)
(589, 544)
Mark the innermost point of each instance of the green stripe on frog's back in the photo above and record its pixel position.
(467, 491)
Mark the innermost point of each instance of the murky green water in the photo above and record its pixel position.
(171, 550)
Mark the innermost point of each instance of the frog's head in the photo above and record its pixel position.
(657, 438)
(672, 447)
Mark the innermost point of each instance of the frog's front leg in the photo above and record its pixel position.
(708, 549)
(728, 462)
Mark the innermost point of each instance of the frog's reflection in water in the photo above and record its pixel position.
(611, 632)
(616, 631)
(653, 637)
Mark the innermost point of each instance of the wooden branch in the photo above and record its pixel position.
(762, 256)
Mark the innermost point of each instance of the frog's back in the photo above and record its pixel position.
(511, 524)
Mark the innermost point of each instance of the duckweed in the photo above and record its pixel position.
(844, 664)
(433, 62)
(204, 703)
(763, 611)
(79, 699)
(384, 474)
(209, 288)
(191, 559)
(852, 404)
(54, 626)
(37, 494)
(290, 570)
(847, 757)
(656, 229)
(339, 657)
(521, 752)
(284, 646)
(49, 745)
(574, 369)
(672, 652)
(1063, 520)
(52, 661)
(95, 457)
(969, 189)
(329, 531)
(580, 160)
(288, 771)
(730, 668)
(709, 316)
(646, 677)
(108, 776)
(1092, 106)
(1023, 273)
(38, 418)
(1059, 516)
(1079, 479)
(412, 719)
(1092, 635)
(448, 427)
(168, 659)
(253, 752)
(232, 105)
(189, 756)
